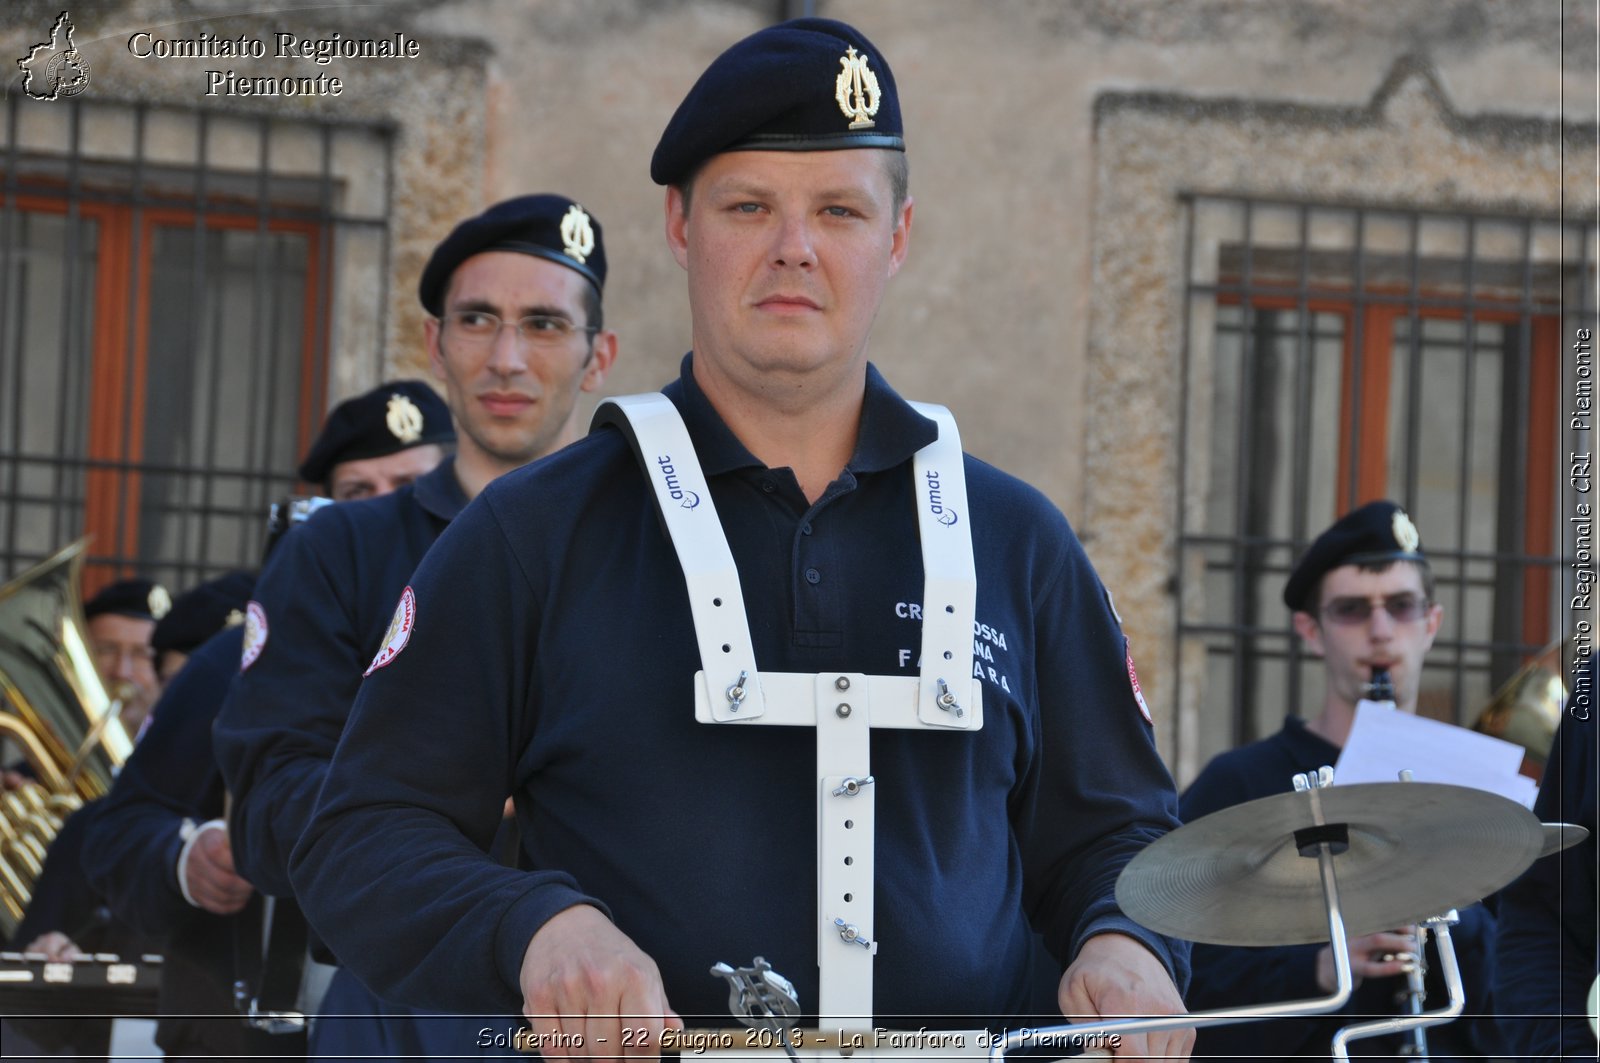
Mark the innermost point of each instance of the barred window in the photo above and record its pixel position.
(168, 285)
(1338, 354)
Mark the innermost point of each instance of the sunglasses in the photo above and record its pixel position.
(1402, 608)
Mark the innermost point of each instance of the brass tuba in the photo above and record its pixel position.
(55, 708)
(1527, 708)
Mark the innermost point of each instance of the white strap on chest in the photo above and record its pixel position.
(655, 429)
(843, 707)
(950, 580)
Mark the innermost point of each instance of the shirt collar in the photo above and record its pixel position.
(439, 492)
(891, 430)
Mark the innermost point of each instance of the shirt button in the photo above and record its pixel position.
(813, 576)
(805, 529)
(768, 486)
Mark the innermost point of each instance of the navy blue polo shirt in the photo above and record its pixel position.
(326, 595)
(551, 654)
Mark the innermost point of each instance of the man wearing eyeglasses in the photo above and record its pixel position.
(121, 619)
(515, 333)
(1362, 599)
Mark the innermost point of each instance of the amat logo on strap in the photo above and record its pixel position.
(941, 512)
(675, 489)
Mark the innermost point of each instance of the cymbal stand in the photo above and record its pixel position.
(1440, 925)
(1322, 841)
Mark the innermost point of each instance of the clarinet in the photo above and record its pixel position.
(1380, 687)
(1414, 997)
(1415, 994)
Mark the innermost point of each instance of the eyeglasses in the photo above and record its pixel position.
(479, 328)
(1403, 608)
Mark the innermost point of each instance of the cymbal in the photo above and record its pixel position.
(1559, 836)
(1416, 850)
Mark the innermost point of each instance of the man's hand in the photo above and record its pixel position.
(1374, 956)
(1114, 976)
(209, 879)
(57, 947)
(584, 978)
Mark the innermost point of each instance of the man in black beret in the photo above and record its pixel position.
(821, 551)
(515, 333)
(517, 330)
(121, 619)
(196, 615)
(1362, 599)
(373, 443)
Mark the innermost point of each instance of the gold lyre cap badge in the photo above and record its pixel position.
(783, 88)
(577, 235)
(1406, 535)
(856, 89)
(403, 419)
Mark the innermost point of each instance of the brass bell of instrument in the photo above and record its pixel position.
(1526, 710)
(55, 709)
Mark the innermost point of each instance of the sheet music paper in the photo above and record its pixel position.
(1384, 740)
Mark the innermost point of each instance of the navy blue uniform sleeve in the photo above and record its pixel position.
(284, 712)
(1098, 792)
(131, 851)
(1546, 947)
(393, 872)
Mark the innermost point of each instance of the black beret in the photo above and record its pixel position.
(548, 226)
(1375, 533)
(201, 612)
(386, 420)
(810, 84)
(141, 599)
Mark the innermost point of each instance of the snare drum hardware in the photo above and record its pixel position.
(102, 984)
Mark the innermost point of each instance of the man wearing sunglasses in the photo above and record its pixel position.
(1362, 600)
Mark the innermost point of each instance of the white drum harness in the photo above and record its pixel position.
(730, 690)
